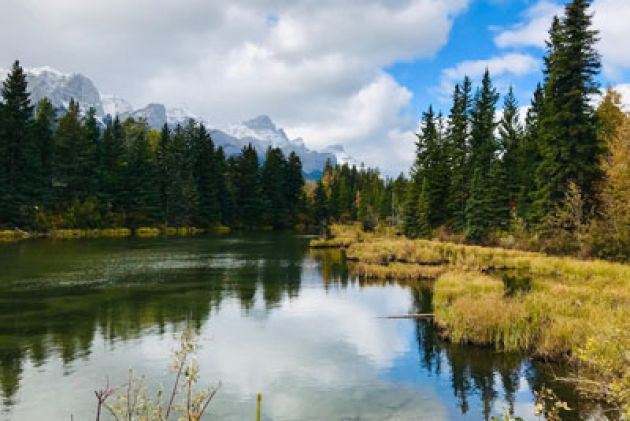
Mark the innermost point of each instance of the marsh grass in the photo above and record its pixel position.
(9, 235)
(556, 308)
(396, 271)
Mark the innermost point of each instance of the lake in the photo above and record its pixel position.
(271, 316)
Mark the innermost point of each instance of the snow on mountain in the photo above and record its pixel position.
(60, 87)
(261, 131)
(341, 155)
(262, 128)
(175, 116)
(114, 105)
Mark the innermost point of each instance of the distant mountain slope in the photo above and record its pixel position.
(261, 131)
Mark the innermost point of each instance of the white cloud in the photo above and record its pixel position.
(533, 30)
(303, 62)
(624, 90)
(610, 18)
(503, 69)
(515, 64)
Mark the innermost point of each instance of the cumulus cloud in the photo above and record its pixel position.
(502, 70)
(610, 18)
(516, 64)
(306, 63)
(533, 30)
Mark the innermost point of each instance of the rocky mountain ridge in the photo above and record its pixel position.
(260, 131)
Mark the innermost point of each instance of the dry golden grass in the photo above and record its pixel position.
(577, 310)
(396, 271)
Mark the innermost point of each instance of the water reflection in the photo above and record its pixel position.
(274, 318)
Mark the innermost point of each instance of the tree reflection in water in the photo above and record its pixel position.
(55, 299)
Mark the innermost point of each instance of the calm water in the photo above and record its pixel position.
(272, 317)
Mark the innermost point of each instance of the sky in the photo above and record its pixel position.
(352, 72)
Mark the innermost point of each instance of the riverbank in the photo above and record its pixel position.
(551, 307)
(12, 235)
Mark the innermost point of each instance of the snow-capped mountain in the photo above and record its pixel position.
(341, 155)
(113, 105)
(59, 88)
(261, 131)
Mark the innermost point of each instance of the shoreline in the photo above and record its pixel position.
(552, 308)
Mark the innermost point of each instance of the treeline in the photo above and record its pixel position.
(542, 182)
(70, 172)
(345, 194)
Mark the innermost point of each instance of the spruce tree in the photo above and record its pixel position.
(141, 200)
(74, 157)
(225, 190)
(163, 172)
(529, 157)
(17, 150)
(294, 187)
(510, 136)
(480, 208)
(91, 150)
(568, 141)
(247, 188)
(273, 187)
(113, 163)
(424, 210)
(320, 204)
(458, 142)
(410, 210)
(43, 130)
(205, 171)
(182, 189)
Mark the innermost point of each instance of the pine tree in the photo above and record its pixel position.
(424, 225)
(163, 170)
(320, 204)
(113, 163)
(273, 187)
(45, 117)
(568, 143)
(182, 189)
(141, 200)
(431, 174)
(91, 150)
(294, 188)
(510, 135)
(410, 211)
(458, 132)
(498, 197)
(480, 208)
(17, 150)
(205, 172)
(529, 157)
(225, 190)
(246, 179)
(74, 157)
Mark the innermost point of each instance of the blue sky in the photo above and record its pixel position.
(471, 38)
(351, 72)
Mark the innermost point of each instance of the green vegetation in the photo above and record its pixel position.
(557, 308)
(557, 184)
(68, 172)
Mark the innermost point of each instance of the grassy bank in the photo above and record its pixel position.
(142, 232)
(552, 307)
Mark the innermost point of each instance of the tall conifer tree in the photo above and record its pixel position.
(568, 142)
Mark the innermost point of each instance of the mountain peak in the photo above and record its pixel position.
(262, 122)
